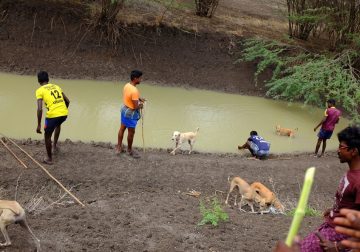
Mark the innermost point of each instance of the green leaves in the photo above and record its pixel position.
(309, 211)
(268, 52)
(307, 77)
(212, 215)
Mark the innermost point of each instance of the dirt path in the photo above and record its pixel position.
(140, 205)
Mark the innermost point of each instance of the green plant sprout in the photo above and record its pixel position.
(212, 215)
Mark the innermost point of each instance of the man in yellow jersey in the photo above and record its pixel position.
(57, 104)
(130, 112)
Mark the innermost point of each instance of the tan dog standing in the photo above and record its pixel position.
(285, 131)
(268, 195)
(12, 213)
(180, 138)
(248, 194)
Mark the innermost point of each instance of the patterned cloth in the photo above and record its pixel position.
(259, 146)
(311, 242)
(129, 117)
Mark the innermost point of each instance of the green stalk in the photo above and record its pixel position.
(300, 210)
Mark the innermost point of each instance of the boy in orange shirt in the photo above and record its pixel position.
(130, 112)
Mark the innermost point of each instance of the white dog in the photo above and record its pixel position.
(180, 138)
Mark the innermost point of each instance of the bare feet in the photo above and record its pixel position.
(119, 151)
(47, 161)
(133, 154)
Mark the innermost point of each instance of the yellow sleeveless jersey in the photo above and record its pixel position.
(53, 99)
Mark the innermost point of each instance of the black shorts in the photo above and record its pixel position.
(52, 123)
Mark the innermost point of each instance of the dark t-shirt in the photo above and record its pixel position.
(347, 194)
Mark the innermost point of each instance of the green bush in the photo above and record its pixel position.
(212, 215)
(306, 77)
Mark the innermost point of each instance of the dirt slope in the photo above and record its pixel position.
(55, 38)
(140, 205)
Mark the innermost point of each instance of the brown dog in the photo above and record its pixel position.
(285, 131)
(248, 194)
(268, 195)
(12, 213)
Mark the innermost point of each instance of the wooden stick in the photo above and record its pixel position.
(142, 129)
(48, 173)
(18, 159)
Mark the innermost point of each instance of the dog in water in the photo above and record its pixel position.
(12, 213)
(180, 138)
(285, 131)
(268, 195)
(248, 195)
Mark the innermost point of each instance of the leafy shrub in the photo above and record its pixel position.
(308, 77)
(212, 215)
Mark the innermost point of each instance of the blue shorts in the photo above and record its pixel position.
(52, 123)
(257, 152)
(129, 117)
(324, 134)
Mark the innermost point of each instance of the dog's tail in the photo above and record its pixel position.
(230, 177)
(197, 130)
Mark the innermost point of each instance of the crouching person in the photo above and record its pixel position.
(258, 146)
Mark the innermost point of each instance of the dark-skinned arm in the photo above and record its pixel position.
(322, 121)
(67, 101)
(39, 115)
(137, 104)
(242, 146)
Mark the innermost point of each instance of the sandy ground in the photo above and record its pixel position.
(141, 205)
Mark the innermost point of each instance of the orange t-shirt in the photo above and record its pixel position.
(130, 94)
